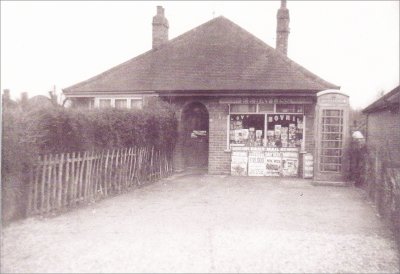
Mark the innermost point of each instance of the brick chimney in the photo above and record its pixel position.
(160, 28)
(282, 28)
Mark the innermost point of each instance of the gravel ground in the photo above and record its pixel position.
(204, 223)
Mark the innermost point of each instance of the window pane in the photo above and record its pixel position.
(331, 128)
(331, 144)
(266, 108)
(105, 103)
(246, 129)
(331, 160)
(243, 108)
(284, 130)
(332, 152)
(286, 108)
(136, 103)
(332, 112)
(120, 103)
(331, 136)
(330, 167)
(332, 121)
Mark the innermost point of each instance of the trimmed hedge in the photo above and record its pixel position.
(60, 130)
(28, 133)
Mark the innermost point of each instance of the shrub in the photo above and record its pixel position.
(30, 132)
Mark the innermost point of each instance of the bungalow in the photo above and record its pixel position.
(244, 108)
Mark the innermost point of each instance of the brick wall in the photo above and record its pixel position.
(219, 160)
(383, 131)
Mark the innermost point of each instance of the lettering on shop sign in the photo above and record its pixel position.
(284, 117)
(265, 100)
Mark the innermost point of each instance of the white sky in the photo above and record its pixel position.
(354, 44)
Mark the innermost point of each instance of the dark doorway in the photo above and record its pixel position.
(195, 130)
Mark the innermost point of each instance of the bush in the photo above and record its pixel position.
(28, 133)
(18, 154)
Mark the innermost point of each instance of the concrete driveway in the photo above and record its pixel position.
(204, 223)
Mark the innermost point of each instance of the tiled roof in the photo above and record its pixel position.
(216, 56)
(389, 99)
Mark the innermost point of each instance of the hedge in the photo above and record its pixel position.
(28, 133)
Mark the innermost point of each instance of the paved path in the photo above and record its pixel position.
(209, 224)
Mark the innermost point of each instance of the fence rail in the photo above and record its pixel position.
(65, 180)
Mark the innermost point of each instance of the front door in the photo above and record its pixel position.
(195, 122)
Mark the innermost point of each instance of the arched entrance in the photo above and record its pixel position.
(195, 139)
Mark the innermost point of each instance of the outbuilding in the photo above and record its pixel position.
(244, 107)
(383, 127)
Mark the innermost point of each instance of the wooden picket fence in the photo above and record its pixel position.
(62, 181)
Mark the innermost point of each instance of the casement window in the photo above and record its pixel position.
(137, 103)
(267, 125)
(120, 103)
(104, 103)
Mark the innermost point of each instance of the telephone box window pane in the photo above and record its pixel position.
(332, 113)
(332, 136)
(331, 144)
(243, 108)
(330, 167)
(331, 128)
(331, 160)
(332, 121)
(331, 152)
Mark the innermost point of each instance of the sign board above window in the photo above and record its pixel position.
(266, 100)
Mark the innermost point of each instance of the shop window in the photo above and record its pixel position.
(246, 129)
(105, 103)
(289, 108)
(284, 130)
(243, 108)
(136, 103)
(121, 103)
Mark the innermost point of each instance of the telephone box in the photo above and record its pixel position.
(332, 136)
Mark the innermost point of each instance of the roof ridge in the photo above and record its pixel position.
(177, 38)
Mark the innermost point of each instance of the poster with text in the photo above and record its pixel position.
(239, 163)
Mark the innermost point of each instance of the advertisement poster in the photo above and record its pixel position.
(308, 166)
(290, 163)
(256, 164)
(273, 163)
(239, 163)
(289, 167)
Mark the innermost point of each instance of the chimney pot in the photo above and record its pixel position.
(160, 10)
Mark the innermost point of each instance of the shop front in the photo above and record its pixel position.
(266, 135)
(273, 136)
